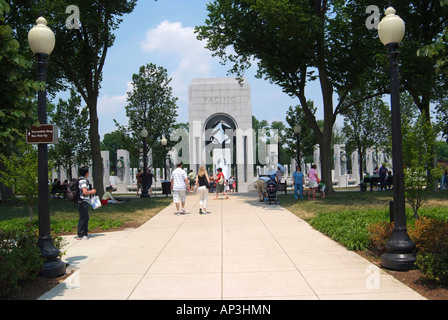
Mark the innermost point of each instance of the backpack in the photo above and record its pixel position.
(73, 191)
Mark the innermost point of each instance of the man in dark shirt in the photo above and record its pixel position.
(382, 174)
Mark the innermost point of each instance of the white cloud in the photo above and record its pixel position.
(183, 54)
(110, 108)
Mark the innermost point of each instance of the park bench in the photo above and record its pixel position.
(374, 182)
(59, 190)
(281, 186)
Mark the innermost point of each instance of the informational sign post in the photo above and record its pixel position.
(43, 134)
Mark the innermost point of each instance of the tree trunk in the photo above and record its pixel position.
(325, 156)
(97, 161)
(361, 168)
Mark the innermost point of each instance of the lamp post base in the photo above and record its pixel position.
(53, 269)
(398, 261)
(53, 265)
(400, 251)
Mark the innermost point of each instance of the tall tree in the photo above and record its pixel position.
(19, 172)
(151, 106)
(18, 110)
(307, 139)
(80, 53)
(294, 42)
(417, 149)
(72, 121)
(425, 20)
(366, 125)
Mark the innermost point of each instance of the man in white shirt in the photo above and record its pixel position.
(179, 184)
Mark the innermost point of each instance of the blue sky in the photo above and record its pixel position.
(162, 33)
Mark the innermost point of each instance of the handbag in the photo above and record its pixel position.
(95, 202)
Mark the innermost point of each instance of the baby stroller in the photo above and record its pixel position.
(271, 192)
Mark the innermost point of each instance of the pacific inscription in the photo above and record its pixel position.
(218, 99)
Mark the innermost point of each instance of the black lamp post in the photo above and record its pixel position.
(164, 142)
(42, 41)
(145, 176)
(166, 185)
(399, 255)
(297, 130)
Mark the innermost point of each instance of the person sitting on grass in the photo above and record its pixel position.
(321, 188)
(108, 198)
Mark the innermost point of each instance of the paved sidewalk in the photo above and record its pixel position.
(243, 249)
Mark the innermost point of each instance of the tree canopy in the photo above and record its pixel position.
(151, 106)
(297, 41)
(294, 42)
(17, 111)
(80, 53)
(72, 148)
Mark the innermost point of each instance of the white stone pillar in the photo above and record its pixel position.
(106, 168)
(355, 167)
(123, 172)
(316, 159)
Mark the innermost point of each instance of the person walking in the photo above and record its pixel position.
(83, 203)
(151, 178)
(231, 182)
(203, 183)
(313, 184)
(220, 181)
(382, 172)
(192, 179)
(299, 180)
(212, 184)
(179, 184)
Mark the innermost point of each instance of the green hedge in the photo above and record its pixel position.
(20, 257)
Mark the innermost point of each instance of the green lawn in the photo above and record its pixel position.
(354, 201)
(344, 216)
(64, 214)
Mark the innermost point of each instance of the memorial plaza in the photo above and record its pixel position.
(242, 249)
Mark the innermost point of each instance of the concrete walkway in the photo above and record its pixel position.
(243, 249)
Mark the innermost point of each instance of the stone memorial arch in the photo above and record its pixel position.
(220, 128)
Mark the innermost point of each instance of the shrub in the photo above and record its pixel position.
(20, 257)
(429, 234)
(380, 234)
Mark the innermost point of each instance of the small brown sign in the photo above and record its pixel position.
(43, 134)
